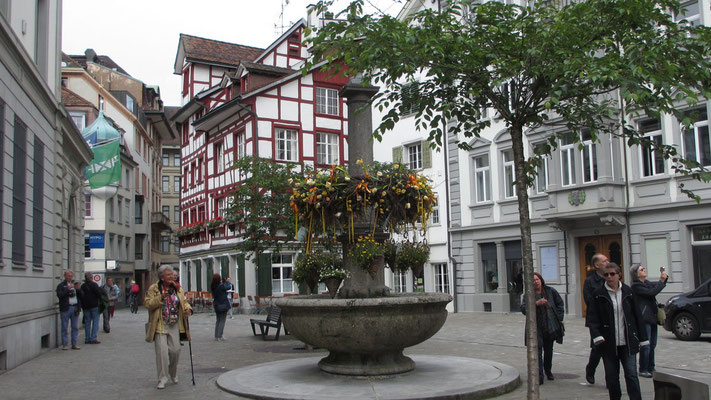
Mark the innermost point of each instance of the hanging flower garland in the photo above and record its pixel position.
(393, 195)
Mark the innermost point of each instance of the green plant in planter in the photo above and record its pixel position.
(390, 254)
(308, 269)
(412, 255)
(333, 272)
(365, 250)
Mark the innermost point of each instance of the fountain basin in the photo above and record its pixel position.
(365, 336)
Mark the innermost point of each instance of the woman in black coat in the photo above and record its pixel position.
(220, 304)
(549, 316)
(645, 292)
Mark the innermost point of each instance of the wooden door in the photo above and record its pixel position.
(609, 245)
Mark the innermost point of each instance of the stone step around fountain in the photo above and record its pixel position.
(436, 377)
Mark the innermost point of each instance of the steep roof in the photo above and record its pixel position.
(71, 99)
(216, 52)
(105, 61)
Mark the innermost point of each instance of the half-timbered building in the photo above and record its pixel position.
(242, 101)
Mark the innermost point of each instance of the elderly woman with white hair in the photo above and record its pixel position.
(167, 313)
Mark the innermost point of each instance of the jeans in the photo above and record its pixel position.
(646, 353)
(91, 324)
(220, 324)
(67, 316)
(107, 318)
(229, 298)
(545, 356)
(612, 374)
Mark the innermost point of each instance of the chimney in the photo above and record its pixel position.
(90, 55)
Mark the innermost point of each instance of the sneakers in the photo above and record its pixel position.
(175, 379)
(75, 347)
(161, 385)
(645, 374)
(65, 347)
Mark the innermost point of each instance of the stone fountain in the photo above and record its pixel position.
(366, 328)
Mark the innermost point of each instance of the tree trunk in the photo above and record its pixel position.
(525, 221)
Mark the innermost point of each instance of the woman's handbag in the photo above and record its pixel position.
(661, 315)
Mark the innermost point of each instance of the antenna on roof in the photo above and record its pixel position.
(284, 3)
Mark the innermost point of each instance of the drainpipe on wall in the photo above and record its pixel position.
(567, 274)
(449, 221)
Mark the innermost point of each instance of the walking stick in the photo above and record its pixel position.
(190, 349)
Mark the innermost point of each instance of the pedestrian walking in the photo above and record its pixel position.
(90, 295)
(230, 295)
(69, 309)
(549, 323)
(645, 293)
(592, 283)
(167, 320)
(617, 329)
(220, 304)
(112, 294)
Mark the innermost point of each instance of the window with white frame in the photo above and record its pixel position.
(79, 119)
(414, 155)
(221, 207)
(695, 138)
(652, 162)
(400, 282)
(165, 179)
(87, 205)
(567, 160)
(434, 219)
(326, 101)
(441, 277)
(327, 148)
(409, 98)
(542, 177)
(282, 268)
(482, 175)
(287, 145)
(509, 174)
(691, 12)
(240, 146)
(219, 157)
(588, 156)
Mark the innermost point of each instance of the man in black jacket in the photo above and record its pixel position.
(617, 329)
(592, 283)
(90, 294)
(69, 307)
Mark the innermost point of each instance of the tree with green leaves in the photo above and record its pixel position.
(588, 65)
(260, 206)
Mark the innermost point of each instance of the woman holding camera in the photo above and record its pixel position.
(167, 309)
(220, 303)
(644, 293)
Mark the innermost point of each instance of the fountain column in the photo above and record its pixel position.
(360, 283)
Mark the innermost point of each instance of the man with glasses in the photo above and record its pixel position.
(592, 283)
(617, 331)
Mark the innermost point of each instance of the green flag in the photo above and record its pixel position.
(105, 168)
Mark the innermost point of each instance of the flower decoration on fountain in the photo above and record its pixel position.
(391, 195)
(412, 255)
(365, 250)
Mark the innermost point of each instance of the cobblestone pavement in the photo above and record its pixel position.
(123, 365)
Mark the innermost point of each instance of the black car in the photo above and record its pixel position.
(689, 314)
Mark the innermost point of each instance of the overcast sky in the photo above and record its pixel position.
(142, 35)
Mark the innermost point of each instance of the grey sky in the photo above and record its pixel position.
(142, 35)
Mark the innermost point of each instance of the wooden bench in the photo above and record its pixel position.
(273, 321)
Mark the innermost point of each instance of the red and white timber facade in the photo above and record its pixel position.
(240, 101)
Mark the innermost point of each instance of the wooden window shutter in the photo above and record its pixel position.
(426, 154)
(264, 275)
(397, 154)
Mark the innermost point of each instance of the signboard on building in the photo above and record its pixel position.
(96, 240)
(111, 265)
